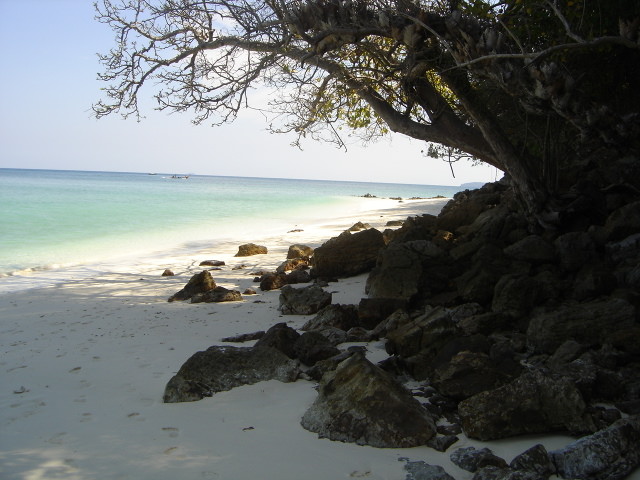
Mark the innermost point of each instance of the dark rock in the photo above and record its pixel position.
(339, 316)
(244, 337)
(372, 311)
(484, 323)
(623, 222)
(533, 403)
(608, 454)
(453, 429)
(218, 295)
(423, 471)
(299, 251)
(442, 443)
(472, 459)
(515, 295)
(533, 249)
(497, 473)
(588, 323)
(334, 335)
(303, 301)
(358, 334)
(168, 273)
(535, 459)
(292, 264)
(323, 366)
(281, 337)
(360, 403)
(219, 369)
(298, 276)
(358, 226)
(394, 223)
(212, 263)
(575, 249)
(348, 254)
(249, 291)
(199, 283)
(273, 281)
(399, 269)
(312, 347)
(250, 249)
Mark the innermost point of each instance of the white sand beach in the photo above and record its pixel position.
(84, 364)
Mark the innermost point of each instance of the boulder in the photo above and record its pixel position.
(212, 263)
(423, 471)
(249, 249)
(533, 249)
(167, 273)
(533, 403)
(609, 454)
(372, 311)
(299, 251)
(273, 281)
(515, 295)
(537, 460)
(303, 301)
(623, 222)
(339, 316)
(575, 249)
(281, 337)
(472, 459)
(298, 276)
(359, 226)
(218, 369)
(312, 347)
(588, 323)
(360, 403)
(199, 283)
(348, 254)
(218, 294)
(399, 269)
(292, 264)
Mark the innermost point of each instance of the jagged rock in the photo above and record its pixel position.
(359, 226)
(360, 403)
(312, 347)
(347, 254)
(292, 264)
(298, 276)
(212, 263)
(273, 281)
(372, 311)
(244, 337)
(533, 249)
(250, 249)
(299, 251)
(423, 471)
(303, 301)
(575, 249)
(168, 273)
(317, 371)
(477, 284)
(219, 369)
(199, 283)
(339, 316)
(588, 323)
(609, 454)
(533, 403)
(442, 443)
(399, 269)
(537, 460)
(281, 337)
(335, 335)
(472, 459)
(218, 295)
(515, 295)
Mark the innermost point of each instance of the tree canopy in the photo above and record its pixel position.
(530, 86)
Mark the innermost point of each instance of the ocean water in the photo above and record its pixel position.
(52, 220)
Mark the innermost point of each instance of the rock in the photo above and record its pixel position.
(212, 263)
(249, 291)
(244, 337)
(442, 443)
(312, 347)
(298, 276)
(281, 337)
(399, 270)
(303, 301)
(199, 283)
(362, 404)
(249, 249)
(339, 316)
(292, 264)
(609, 454)
(168, 273)
(423, 471)
(299, 251)
(394, 223)
(359, 226)
(218, 294)
(575, 249)
(219, 369)
(588, 323)
(623, 222)
(273, 281)
(533, 403)
(536, 460)
(372, 311)
(515, 295)
(497, 473)
(533, 249)
(347, 254)
(472, 459)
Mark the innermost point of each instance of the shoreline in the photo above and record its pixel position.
(85, 363)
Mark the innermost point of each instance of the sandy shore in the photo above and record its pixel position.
(84, 364)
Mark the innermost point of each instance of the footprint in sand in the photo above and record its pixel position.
(173, 431)
(170, 450)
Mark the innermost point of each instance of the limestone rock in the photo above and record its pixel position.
(360, 403)
(348, 254)
(218, 369)
(609, 454)
(292, 264)
(250, 249)
(303, 301)
(199, 283)
(533, 403)
(273, 281)
(218, 295)
(299, 251)
(298, 276)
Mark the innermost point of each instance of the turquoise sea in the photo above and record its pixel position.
(54, 219)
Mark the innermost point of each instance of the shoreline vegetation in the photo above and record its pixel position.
(86, 365)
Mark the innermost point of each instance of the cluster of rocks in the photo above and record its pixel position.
(507, 328)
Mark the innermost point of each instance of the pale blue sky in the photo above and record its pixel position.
(48, 83)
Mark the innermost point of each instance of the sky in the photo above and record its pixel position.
(48, 82)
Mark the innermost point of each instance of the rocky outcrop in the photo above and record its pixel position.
(347, 254)
(360, 403)
(250, 249)
(218, 369)
(339, 316)
(303, 301)
(299, 251)
(199, 283)
(217, 295)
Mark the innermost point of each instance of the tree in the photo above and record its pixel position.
(532, 87)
